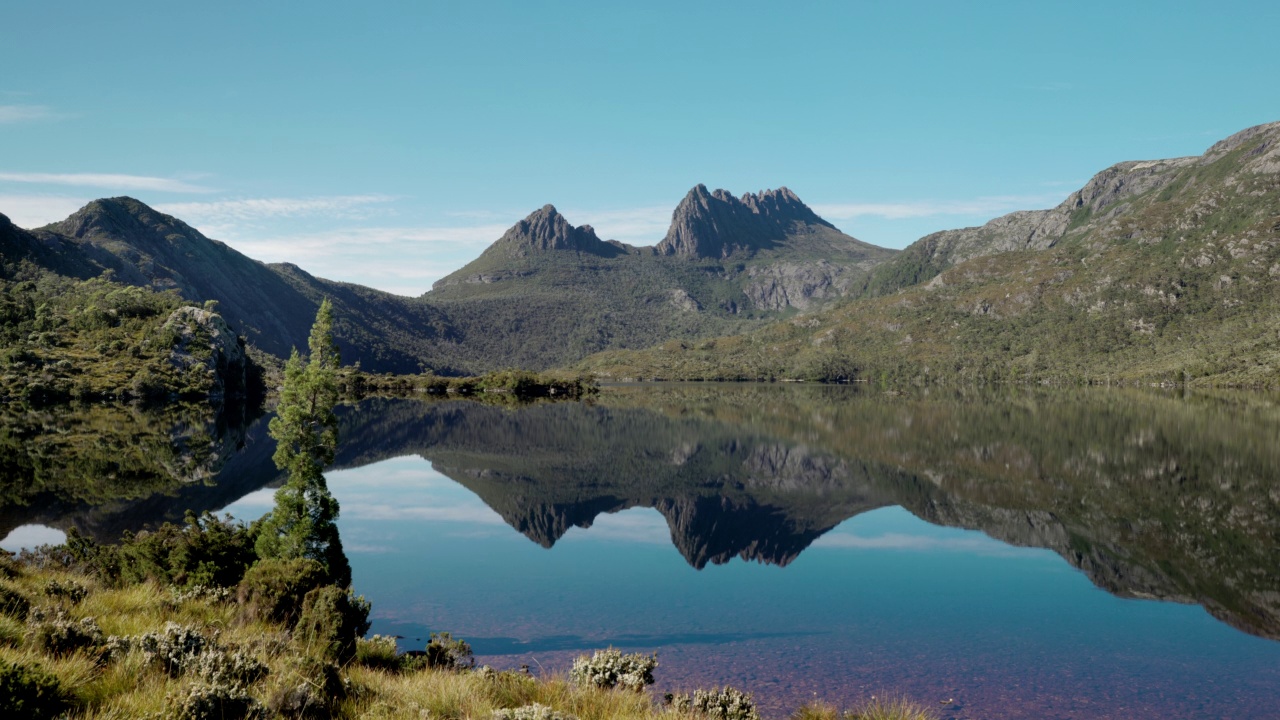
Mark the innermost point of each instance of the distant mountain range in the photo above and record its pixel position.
(545, 293)
(1161, 271)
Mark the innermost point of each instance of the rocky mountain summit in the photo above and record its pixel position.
(717, 224)
(546, 229)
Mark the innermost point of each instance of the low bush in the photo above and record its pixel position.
(27, 691)
(217, 702)
(273, 590)
(610, 668)
(536, 711)
(211, 593)
(330, 622)
(449, 653)
(204, 550)
(176, 649)
(313, 689)
(71, 591)
(229, 668)
(378, 652)
(57, 634)
(724, 704)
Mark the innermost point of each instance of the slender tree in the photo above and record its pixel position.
(303, 522)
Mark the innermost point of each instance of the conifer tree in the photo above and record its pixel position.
(305, 428)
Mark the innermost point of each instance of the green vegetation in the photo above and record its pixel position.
(1177, 285)
(63, 339)
(305, 428)
(501, 386)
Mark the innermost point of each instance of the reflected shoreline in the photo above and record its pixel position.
(1150, 495)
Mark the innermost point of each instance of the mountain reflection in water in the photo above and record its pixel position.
(1151, 495)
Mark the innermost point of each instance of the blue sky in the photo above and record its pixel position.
(389, 144)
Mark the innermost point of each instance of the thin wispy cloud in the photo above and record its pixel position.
(113, 181)
(26, 113)
(978, 545)
(474, 513)
(977, 207)
(223, 212)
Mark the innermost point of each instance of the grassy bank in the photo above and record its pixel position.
(144, 629)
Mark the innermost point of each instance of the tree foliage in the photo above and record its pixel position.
(303, 522)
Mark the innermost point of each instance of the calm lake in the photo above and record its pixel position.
(1100, 554)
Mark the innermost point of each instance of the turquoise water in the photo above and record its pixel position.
(884, 603)
(1090, 554)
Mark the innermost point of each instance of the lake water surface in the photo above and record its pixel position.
(1105, 554)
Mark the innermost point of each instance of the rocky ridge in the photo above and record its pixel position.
(717, 225)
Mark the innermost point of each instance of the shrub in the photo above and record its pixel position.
(212, 593)
(378, 652)
(13, 603)
(204, 550)
(27, 691)
(314, 690)
(217, 702)
(447, 653)
(225, 668)
(59, 635)
(724, 704)
(273, 590)
(176, 648)
(331, 621)
(536, 711)
(71, 591)
(610, 668)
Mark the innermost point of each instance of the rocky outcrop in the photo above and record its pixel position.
(546, 229)
(795, 285)
(716, 224)
(208, 351)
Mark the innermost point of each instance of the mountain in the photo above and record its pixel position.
(718, 225)
(1162, 271)
(1108, 198)
(726, 264)
(546, 293)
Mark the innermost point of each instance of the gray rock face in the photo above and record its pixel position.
(799, 285)
(684, 301)
(206, 345)
(546, 229)
(717, 224)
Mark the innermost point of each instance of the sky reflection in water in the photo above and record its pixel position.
(883, 602)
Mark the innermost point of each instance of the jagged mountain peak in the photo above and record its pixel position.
(546, 229)
(718, 224)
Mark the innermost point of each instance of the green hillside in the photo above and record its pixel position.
(1164, 271)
